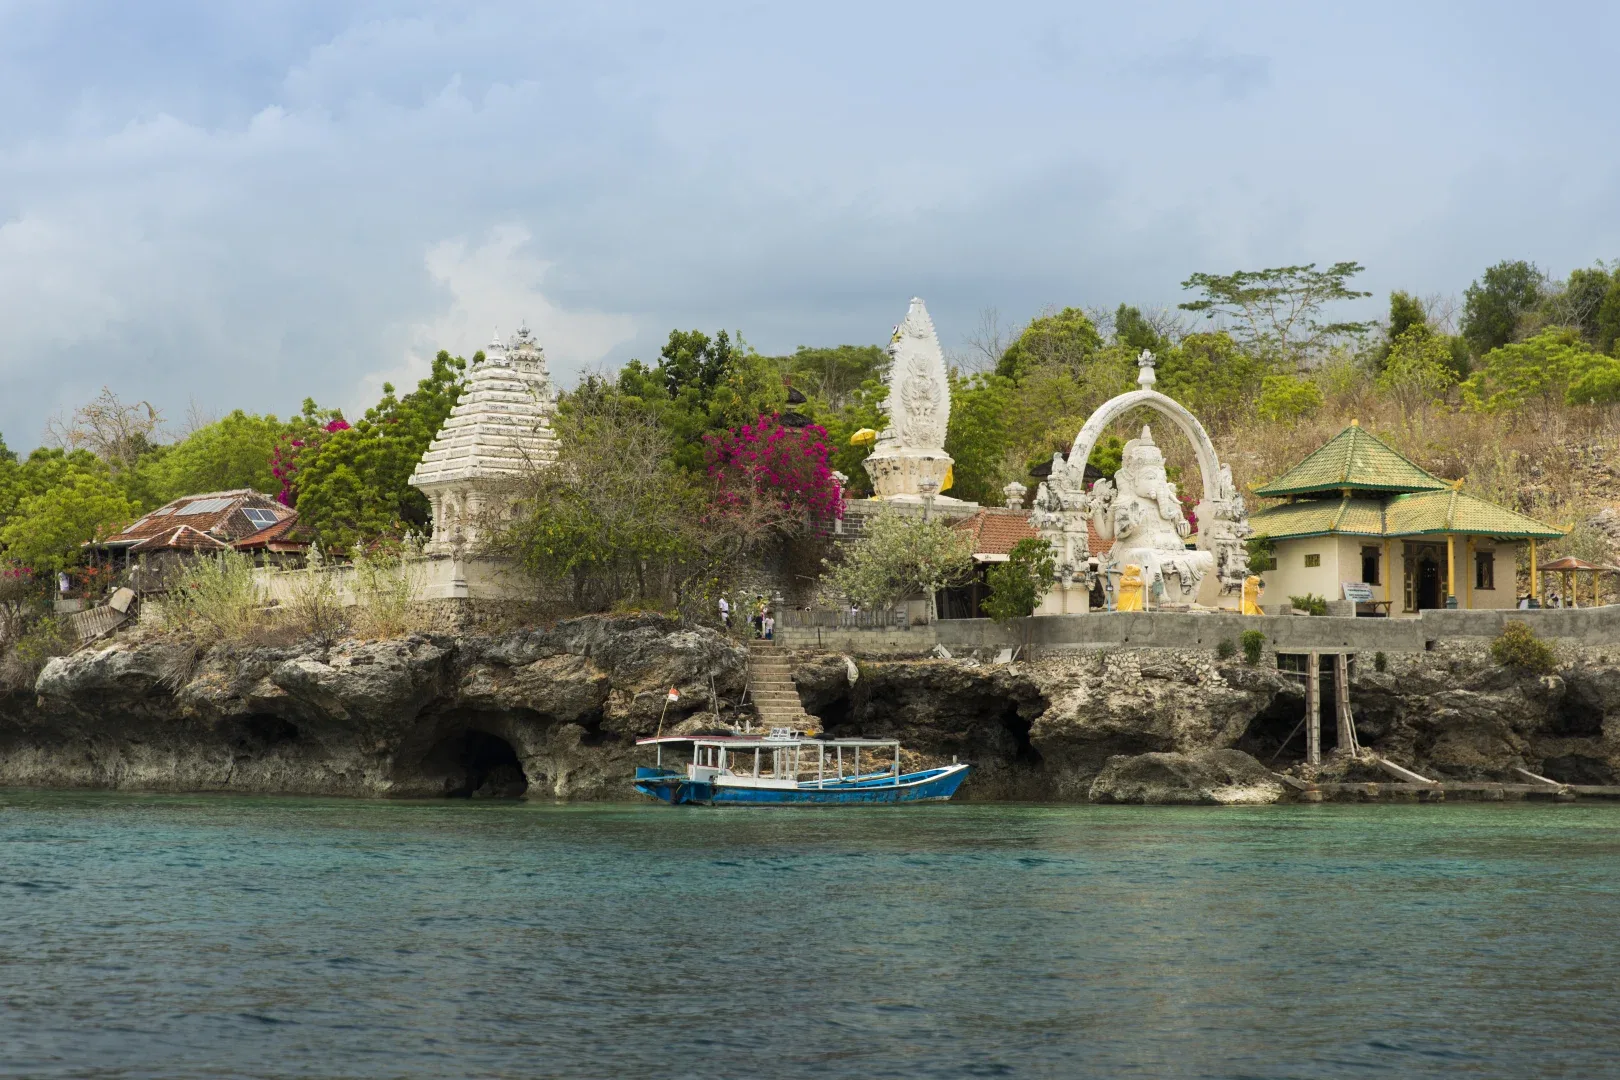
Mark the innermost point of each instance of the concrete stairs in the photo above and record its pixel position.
(770, 685)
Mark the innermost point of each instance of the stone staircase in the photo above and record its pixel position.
(770, 685)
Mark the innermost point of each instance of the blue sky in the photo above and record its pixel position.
(243, 205)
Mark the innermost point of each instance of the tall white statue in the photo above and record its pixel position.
(909, 460)
(1141, 512)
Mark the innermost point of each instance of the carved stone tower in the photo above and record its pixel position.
(909, 461)
(500, 427)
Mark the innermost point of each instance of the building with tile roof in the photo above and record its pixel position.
(995, 531)
(1359, 513)
(210, 521)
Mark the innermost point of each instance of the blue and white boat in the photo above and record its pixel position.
(788, 768)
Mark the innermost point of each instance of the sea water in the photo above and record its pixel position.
(220, 936)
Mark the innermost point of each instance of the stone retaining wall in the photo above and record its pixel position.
(1177, 630)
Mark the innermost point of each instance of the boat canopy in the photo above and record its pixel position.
(762, 742)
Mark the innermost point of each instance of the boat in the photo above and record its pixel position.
(789, 768)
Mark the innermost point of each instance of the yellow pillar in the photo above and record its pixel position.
(1535, 578)
(1451, 570)
(1468, 572)
(1389, 574)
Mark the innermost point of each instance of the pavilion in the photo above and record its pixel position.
(1357, 513)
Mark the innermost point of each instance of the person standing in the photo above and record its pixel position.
(769, 625)
(725, 613)
(759, 618)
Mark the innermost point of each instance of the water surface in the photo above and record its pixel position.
(203, 936)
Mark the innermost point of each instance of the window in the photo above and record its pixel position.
(1485, 570)
(1369, 565)
(1313, 560)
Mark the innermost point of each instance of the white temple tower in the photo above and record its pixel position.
(499, 428)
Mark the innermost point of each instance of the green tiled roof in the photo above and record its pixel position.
(1413, 514)
(1456, 512)
(1354, 459)
(1320, 517)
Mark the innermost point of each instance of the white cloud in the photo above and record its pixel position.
(495, 287)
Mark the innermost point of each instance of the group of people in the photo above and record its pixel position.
(764, 625)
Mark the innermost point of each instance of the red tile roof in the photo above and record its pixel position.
(995, 531)
(223, 516)
(284, 535)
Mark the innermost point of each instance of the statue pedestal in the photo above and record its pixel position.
(897, 471)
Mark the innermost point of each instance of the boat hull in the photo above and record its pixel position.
(930, 785)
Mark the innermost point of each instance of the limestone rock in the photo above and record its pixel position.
(1222, 777)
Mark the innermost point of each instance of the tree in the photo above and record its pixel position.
(231, 453)
(355, 487)
(1064, 339)
(1405, 312)
(1277, 312)
(46, 531)
(115, 432)
(773, 479)
(979, 434)
(1543, 368)
(1580, 301)
(614, 518)
(300, 443)
(1286, 398)
(1213, 376)
(1597, 384)
(1418, 368)
(1494, 305)
(1018, 585)
(899, 557)
(1608, 319)
(833, 375)
(1137, 332)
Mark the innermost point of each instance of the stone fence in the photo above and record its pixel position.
(1178, 630)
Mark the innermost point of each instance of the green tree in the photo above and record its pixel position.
(1278, 312)
(1136, 332)
(1541, 368)
(1418, 368)
(1597, 384)
(1580, 302)
(46, 530)
(1494, 305)
(1018, 585)
(1405, 312)
(1608, 319)
(1064, 339)
(834, 376)
(979, 435)
(1213, 376)
(1285, 398)
(901, 556)
(355, 487)
(225, 455)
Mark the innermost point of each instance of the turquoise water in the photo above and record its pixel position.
(224, 936)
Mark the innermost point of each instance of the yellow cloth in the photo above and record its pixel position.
(1131, 589)
(950, 478)
(862, 437)
(1251, 596)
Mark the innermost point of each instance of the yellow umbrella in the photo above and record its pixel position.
(862, 437)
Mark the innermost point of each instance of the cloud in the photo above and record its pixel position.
(491, 289)
(1197, 65)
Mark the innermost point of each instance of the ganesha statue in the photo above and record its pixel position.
(1140, 511)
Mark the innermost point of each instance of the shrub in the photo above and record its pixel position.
(1310, 603)
(47, 637)
(215, 596)
(1254, 643)
(1262, 554)
(1380, 662)
(1518, 646)
(385, 587)
(1225, 650)
(1018, 585)
(316, 607)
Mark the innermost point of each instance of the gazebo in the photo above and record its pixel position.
(1570, 568)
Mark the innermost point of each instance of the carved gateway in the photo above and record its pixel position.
(1143, 515)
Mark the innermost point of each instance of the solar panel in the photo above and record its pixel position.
(203, 506)
(260, 517)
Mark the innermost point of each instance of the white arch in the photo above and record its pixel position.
(1209, 466)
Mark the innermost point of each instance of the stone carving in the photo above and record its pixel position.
(1059, 516)
(1225, 531)
(1141, 512)
(1012, 495)
(910, 452)
(499, 428)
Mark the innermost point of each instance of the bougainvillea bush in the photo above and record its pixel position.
(304, 437)
(774, 475)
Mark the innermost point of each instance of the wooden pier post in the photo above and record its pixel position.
(1341, 704)
(1313, 708)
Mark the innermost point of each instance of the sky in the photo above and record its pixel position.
(219, 205)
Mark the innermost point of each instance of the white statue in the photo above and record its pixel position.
(910, 452)
(1059, 516)
(1141, 512)
(1224, 534)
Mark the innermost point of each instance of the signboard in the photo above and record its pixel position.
(1359, 591)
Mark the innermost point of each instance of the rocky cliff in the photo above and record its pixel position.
(554, 712)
